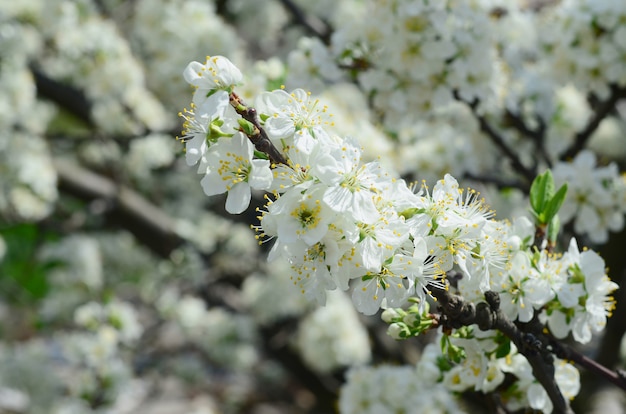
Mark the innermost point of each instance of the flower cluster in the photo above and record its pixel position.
(341, 223)
(345, 224)
(332, 336)
(570, 291)
(487, 358)
(226, 158)
(386, 388)
(582, 290)
(588, 44)
(596, 201)
(224, 336)
(334, 218)
(419, 55)
(112, 78)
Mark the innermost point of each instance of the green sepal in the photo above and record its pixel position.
(115, 322)
(215, 131)
(535, 258)
(452, 352)
(367, 277)
(261, 155)
(576, 274)
(247, 126)
(410, 212)
(475, 252)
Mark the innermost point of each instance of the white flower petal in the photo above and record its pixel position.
(238, 198)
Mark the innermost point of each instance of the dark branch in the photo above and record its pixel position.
(498, 181)
(259, 138)
(537, 136)
(564, 352)
(312, 24)
(488, 315)
(498, 141)
(151, 225)
(601, 112)
(71, 99)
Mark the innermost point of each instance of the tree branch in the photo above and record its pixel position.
(312, 24)
(66, 96)
(537, 136)
(498, 140)
(498, 181)
(488, 315)
(151, 225)
(259, 138)
(601, 112)
(564, 352)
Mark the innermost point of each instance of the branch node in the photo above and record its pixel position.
(484, 316)
(493, 299)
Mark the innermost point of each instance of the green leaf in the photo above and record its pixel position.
(536, 193)
(555, 203)
(503, 349)
(23, 277)
(553, 229)
(541, 195)
(443, 364)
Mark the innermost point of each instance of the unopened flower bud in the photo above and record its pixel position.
(398, 331)
(389, 315)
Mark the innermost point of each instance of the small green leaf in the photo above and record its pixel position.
(23, 275)
(536, 193)
(553, 229)
(555, 203)
(443, 364)
(549, 185)
(541, 193)
(503, 349)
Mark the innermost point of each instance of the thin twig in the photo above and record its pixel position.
(601, 112)
(68, 97)
(311, 23)
(498, 181)
(538, 136)
(151, 225)
(498, 140)
(564, 352)
(259, 137)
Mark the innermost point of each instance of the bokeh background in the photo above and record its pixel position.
(124, 289)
